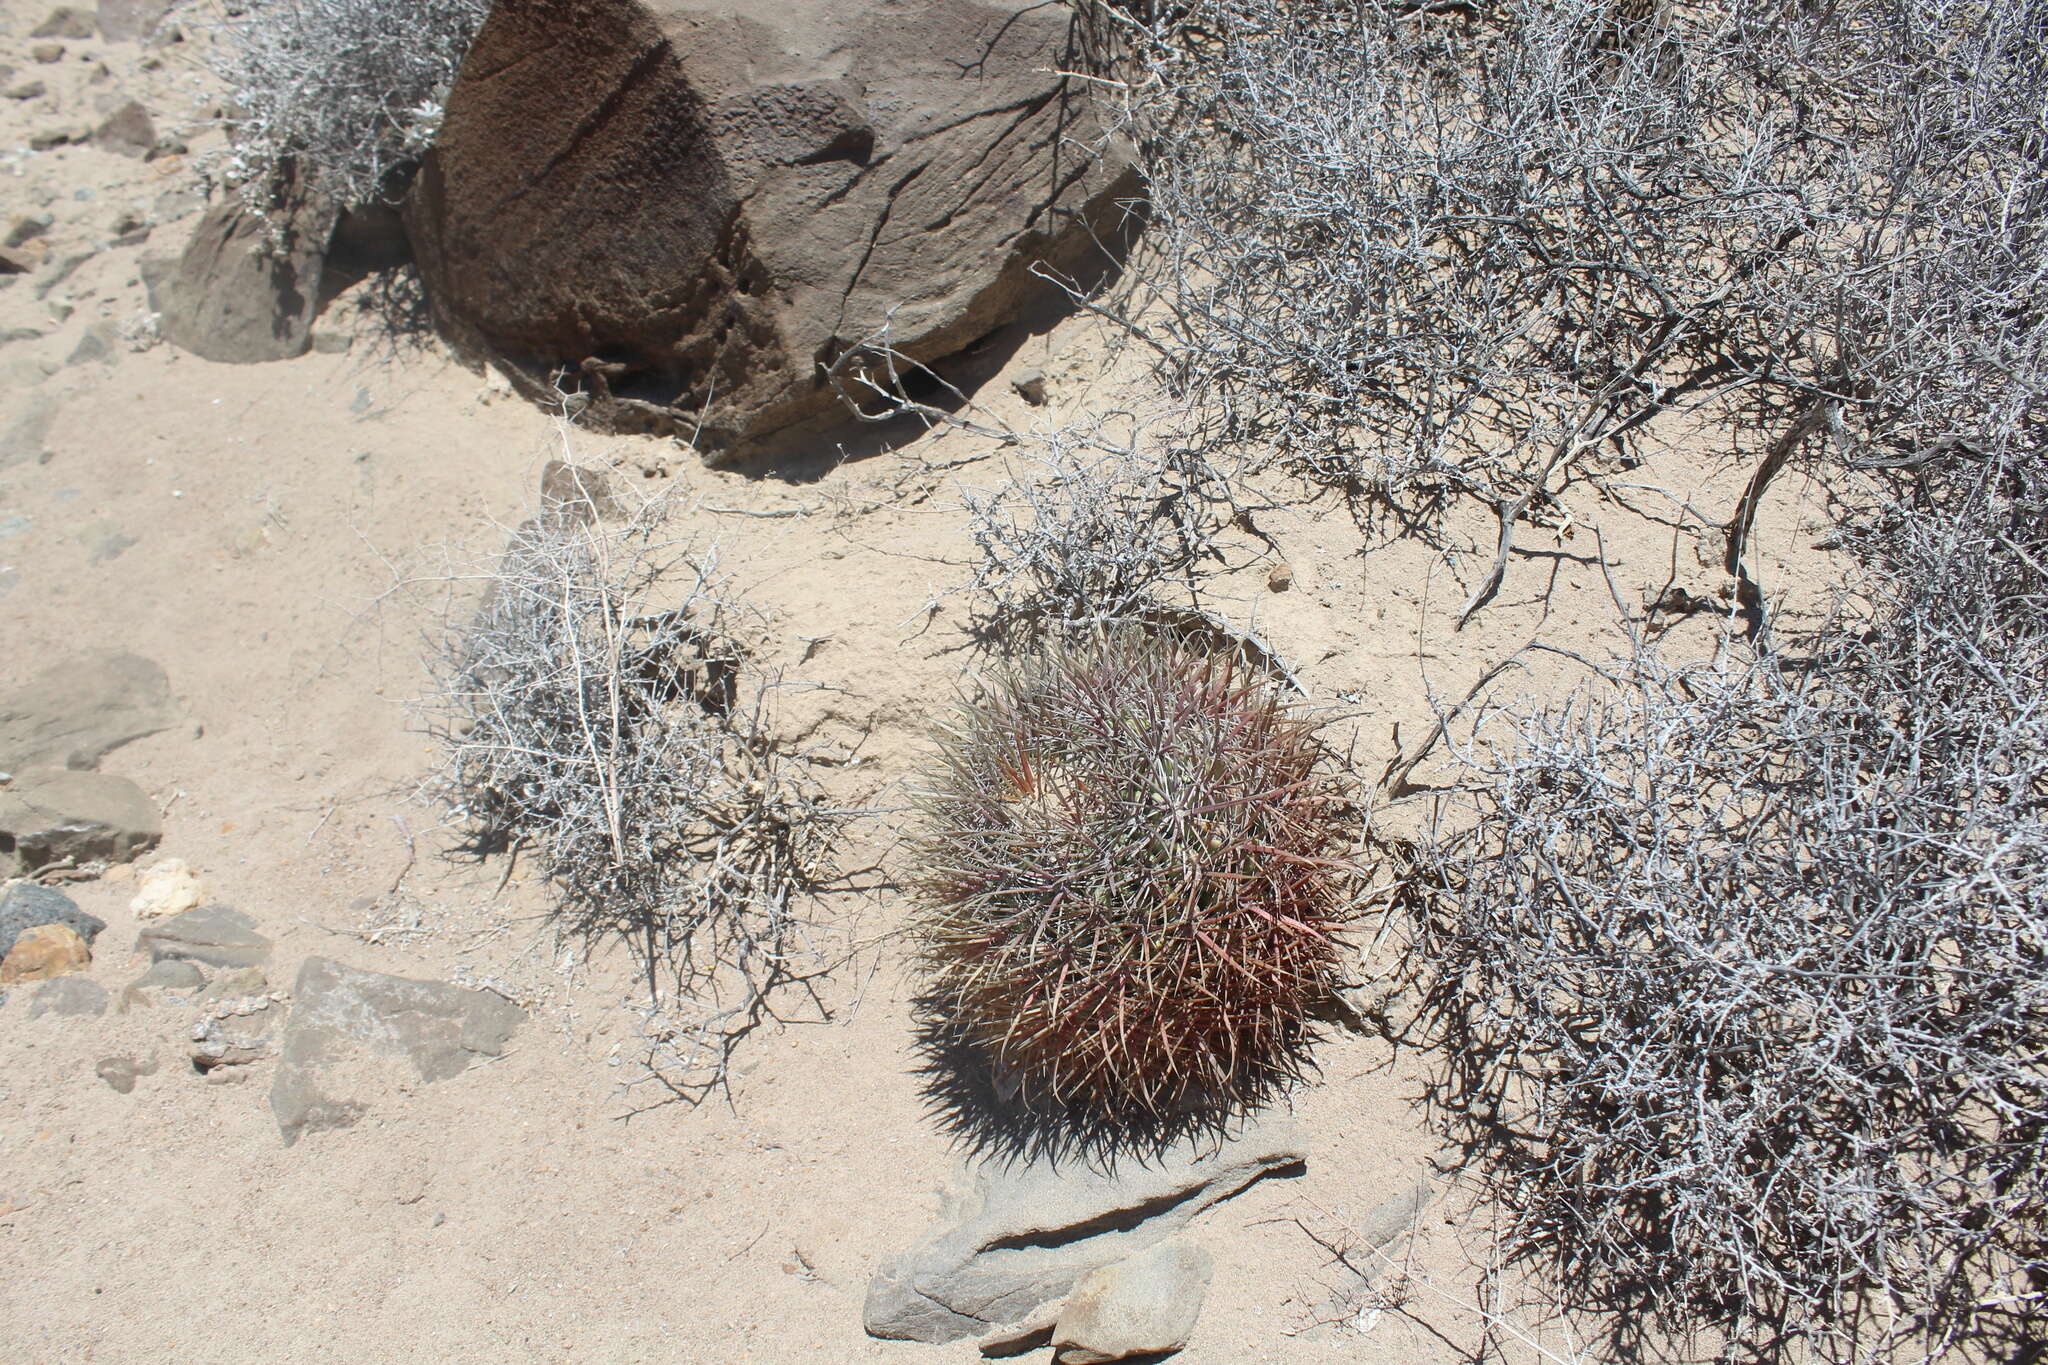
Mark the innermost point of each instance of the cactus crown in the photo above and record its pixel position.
(1133, 879)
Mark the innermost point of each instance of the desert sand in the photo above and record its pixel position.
(285, 539)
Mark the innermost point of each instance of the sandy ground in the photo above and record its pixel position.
(276, 536)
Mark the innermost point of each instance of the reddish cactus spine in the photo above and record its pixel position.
(1134, 879)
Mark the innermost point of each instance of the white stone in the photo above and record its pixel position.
(167, 887)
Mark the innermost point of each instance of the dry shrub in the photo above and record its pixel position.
(1472, 249)
(1091, 533)
(333, 95)
(602, 709)
(1743, 968)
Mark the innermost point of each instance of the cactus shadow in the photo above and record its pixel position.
(987, 1121)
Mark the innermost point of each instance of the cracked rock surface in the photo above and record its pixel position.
(693, 210)
(1022, 1234)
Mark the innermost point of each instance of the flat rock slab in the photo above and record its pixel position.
(68, 995)
(54, 816)
(346, 1020)
(25, 905)
(1023, 1233)
(1146, 1305)
(73, 713)
(216, 935)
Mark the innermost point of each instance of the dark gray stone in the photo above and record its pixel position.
(240, 294)
(53, 816)
(237, 984)
(127, 130)
(1026, 1232)
(344, 1015)
(27, 227)
(97, 344)
(54, 275)
(217, 935)
(68, 995)
(25, 905)
(78, 710)
(171, 974)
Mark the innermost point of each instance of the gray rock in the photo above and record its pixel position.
(238, 984)
(1030, 386)
(1143, 1306)
(27, 441)
(236, 1033)
(761, 188)
(97, 344)
(30, 89)
(66, 22)
(25, 905)
(131, 21)
(579, 493)
(72, 995)
(235, 295)
(57, 135)
(27, 227)
(343, 1016)
(75, 712)
(171, 974)
(174, 204)
(1027, 1232)
(127, 130)
(52, 815)
(217, 935)
(120, 1072)
(63, 270)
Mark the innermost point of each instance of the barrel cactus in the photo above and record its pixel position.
(1135, 878)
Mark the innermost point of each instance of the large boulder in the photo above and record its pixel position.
(689, 209)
